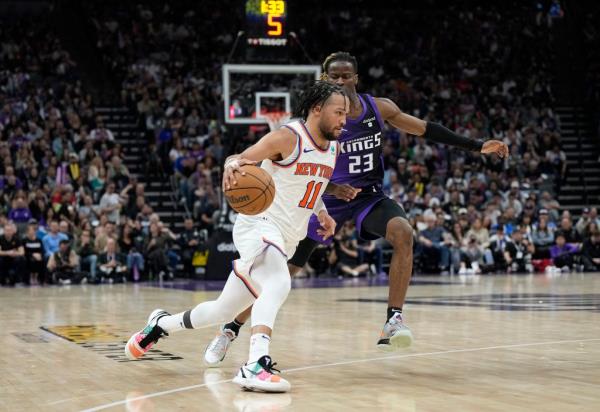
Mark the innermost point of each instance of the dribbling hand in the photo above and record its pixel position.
(327, 223)
(232, 166)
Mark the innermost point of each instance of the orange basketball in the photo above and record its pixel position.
(253, 193)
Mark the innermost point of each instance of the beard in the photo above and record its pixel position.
(327, 134)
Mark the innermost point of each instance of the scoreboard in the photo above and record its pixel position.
(266, 36)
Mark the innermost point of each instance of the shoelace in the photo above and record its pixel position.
(270, 367)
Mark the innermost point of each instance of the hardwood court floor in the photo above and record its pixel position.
(502, 343)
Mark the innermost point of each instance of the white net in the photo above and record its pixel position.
(277, 119)
(250, 91)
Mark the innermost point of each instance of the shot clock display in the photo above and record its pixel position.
(266, 37)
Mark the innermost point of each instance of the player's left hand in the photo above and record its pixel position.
(327, 225)
(495, 146)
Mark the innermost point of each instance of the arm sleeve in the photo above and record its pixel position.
(440, 134)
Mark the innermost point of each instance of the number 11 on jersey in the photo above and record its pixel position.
(312, 193)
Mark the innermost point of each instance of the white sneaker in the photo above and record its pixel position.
(217, 349)
(395, 335)
(260, 376)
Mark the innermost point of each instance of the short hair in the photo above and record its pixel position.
(315, 95)
(340, 56)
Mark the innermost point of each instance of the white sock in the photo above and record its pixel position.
(259, 346)
(233, 299)
(172, 323)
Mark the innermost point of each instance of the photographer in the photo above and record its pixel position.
(501, 251)
(11, 255)
(155, 248)
(87, 253)
(63, 263)
(524, 249)
(34, 254)
(590, 252)
(471, 256)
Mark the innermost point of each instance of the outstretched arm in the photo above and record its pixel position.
(391, 113)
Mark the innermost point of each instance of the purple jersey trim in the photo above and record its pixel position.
(362, 115)
(376, 110)
(313, 140)
(299, 146)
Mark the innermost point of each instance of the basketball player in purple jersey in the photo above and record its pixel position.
(355, 193)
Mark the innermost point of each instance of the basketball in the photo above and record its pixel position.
(254, 191)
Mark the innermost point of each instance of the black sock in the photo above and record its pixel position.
(234, 326)
(391, 311)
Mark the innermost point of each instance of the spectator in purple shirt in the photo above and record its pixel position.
(20, 213)
(562, 253)
(18, 138)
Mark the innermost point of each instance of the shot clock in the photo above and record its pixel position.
(266, 36)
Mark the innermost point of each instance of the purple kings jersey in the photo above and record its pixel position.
(360, 162)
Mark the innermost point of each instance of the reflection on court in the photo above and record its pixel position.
(485, 343)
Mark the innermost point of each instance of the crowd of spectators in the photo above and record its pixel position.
(489, 78)
(483, 72)
(69, 209)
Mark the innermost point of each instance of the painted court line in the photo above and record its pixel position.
(328, 365)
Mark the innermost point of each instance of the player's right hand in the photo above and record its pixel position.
(327, 223)
(345, 192)
(232, 166)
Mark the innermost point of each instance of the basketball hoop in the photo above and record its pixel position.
(276, 119)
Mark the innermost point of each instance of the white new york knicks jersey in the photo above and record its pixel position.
(300, 180)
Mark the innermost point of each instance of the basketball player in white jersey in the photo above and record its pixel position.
(300, 157)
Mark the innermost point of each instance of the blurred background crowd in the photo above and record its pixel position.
(71, 210)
